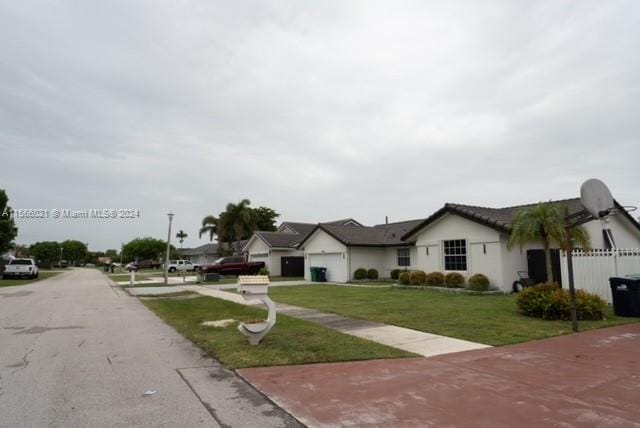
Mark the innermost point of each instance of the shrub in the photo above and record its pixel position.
(548, 301)
(372, 274)
(417, 277)
(435, 279)
(395, 274)
(360, 273)
(404, 278)
(263, 271)
(454, 280)
(478, 282)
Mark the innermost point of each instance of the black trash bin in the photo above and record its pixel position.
(321, 273)
(626, 296)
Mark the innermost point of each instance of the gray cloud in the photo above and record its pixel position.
(319, 110)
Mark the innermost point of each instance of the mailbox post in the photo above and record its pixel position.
(132, 279)
(257, 288)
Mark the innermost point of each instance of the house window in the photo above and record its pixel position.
(404, 257)
(455, 254)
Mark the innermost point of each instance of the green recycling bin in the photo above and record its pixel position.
(314, 273)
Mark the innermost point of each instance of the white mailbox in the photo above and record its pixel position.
(256, 287)
(253, 285)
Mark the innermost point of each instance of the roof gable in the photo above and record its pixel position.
(344, 222)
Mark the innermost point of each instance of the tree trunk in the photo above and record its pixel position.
(547, 259)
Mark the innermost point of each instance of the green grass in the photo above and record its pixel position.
(169, 295)
(492, 320)
(291, 341)
(42, 275)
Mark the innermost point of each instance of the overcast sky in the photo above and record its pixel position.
(319, 110)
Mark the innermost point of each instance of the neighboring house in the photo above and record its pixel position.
(279, 250)
(343, 249)
(202, 255)
(456, 238)
(207, 253)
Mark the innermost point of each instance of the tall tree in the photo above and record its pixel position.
(46, 252)
(209, 227)
(146, 249)
(74, 251)
(181, 237)
(111, 253)
(237, 222)
(239, 218)
(265, 219)
(545, 223)
(8, 229)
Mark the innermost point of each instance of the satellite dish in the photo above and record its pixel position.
(596, 198)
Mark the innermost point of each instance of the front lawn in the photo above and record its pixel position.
(291, 341)
(42, 275)
(492, 320)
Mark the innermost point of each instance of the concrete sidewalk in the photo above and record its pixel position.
(418, 342)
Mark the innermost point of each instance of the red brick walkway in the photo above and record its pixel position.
(588, 379)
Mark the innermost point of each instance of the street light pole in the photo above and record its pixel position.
(166, 259)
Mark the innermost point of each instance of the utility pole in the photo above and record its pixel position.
(166, 259)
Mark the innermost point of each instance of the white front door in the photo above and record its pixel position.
(335, 264)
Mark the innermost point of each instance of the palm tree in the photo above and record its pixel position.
(545, 222)
(239, 218)
(181, 236)
(210, 226)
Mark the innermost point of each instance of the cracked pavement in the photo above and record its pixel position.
(76, 351)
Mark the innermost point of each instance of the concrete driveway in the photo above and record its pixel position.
(75, 351)
(588, 379)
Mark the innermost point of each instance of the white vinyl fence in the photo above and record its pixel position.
(592, 269)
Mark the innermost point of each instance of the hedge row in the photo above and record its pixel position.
(362, 273)
(549, 301)
(477, 282)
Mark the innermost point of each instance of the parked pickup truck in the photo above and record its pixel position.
(235, 265)
(146, 264)
(182, 265)
(20, 268)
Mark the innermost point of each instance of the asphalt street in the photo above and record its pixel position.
(75, 350)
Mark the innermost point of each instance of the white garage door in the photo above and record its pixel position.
(335, 264)
(259, 257)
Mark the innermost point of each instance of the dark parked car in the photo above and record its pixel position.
(148, 264)
(235, 265)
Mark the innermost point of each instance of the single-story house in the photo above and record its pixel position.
(279, 250)
(202, 255)
(456, 238)
(343, 249)
(208, 253)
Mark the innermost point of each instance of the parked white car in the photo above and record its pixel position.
(21, 268)
(182, 265)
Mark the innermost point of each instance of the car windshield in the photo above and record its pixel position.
(219, 260)
(20, 262)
